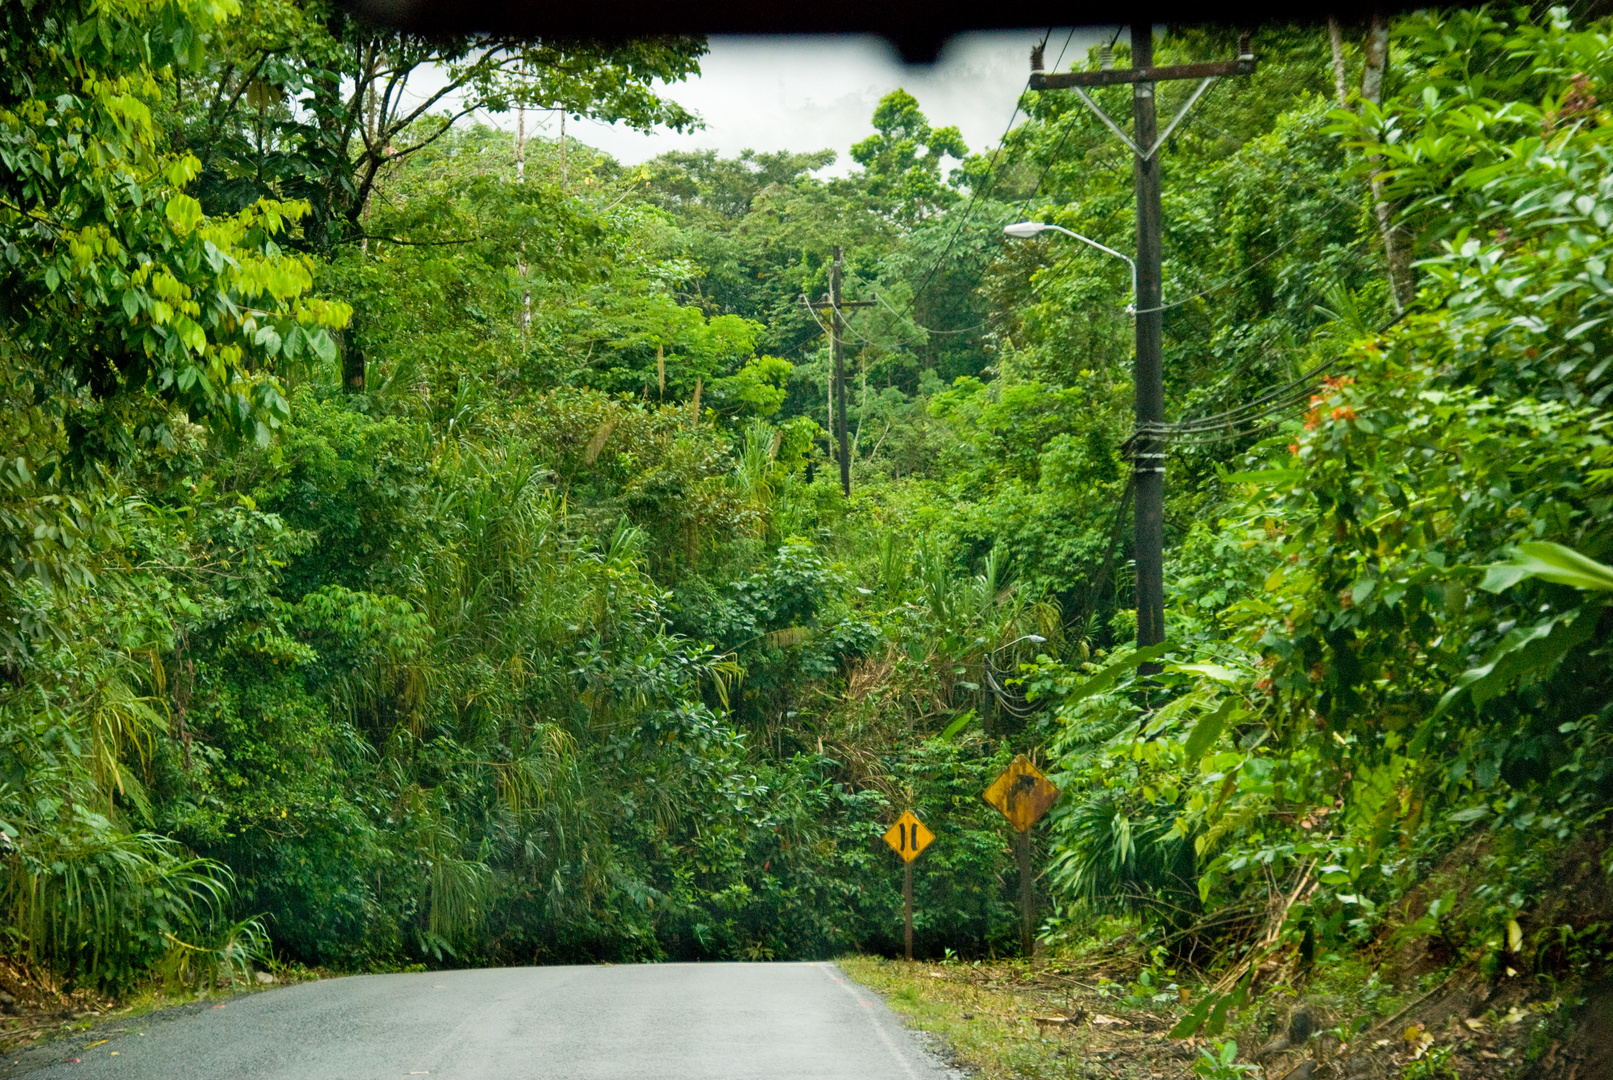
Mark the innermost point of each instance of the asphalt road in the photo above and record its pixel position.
(631, 1022)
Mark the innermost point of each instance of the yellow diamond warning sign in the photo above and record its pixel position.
(908, 836)
(1022, 794)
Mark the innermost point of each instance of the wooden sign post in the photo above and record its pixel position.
(909, 837)
(1022, 795)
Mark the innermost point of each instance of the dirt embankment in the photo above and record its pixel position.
(1012, 1019)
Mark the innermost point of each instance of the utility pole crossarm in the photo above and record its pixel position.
(1065, 80)
(825, 305)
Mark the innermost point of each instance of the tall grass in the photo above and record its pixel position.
(98, 905)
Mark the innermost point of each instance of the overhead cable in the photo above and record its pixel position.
(965, 330)
(987, 182)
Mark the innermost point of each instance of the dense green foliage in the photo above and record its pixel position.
(423, 549)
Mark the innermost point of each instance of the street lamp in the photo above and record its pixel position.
(1038, 638)
(1026, 230)
(988, 666)
(1148, 440)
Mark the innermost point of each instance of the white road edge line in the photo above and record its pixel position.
(890, 1043)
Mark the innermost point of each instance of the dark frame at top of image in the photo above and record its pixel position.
(918, 29)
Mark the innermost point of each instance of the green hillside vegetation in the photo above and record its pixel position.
(420, 548)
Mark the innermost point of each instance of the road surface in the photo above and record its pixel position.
(630, 1022)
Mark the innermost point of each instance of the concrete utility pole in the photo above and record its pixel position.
(837, 329)
(1145, 141)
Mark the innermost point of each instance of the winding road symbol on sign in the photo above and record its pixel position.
(908, 836)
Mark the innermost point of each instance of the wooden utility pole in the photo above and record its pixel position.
(1148, 459)
(1148, 440)
(1396, 247)
(520, 178)
(520, 144)
(837, 329)
(839, 349)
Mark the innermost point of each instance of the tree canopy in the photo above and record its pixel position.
(423, 544)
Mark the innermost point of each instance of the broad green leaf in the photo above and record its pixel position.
(1207, 730)
(268, 340)
(191, 334)
(1217, 1022)
(1522, 653)
(184, 212)
(322, 345)
(1188, 1026)
(1211, 671)
(1264, 476)
(1549, 562)
(1108, 675)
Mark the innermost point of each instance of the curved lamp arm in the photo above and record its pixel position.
(1025, 230)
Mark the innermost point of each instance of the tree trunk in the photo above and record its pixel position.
(352, 362)
(1396, 244)
(1340, 81)
(1375, 59)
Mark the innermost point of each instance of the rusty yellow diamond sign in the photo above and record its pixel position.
(1022, 794)
(908, 836)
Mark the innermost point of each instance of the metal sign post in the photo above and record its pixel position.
(1022, 795)
(909, 837)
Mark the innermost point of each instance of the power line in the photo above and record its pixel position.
(987, 182)
(981, 269)
(1228, 282)
(1063, 48)
(1308, 379)
(1051, 161)
(991, 175)
(1272, 401)
(1066, 134)
(1236, 423)
(967, 329)
(1109, 553)
(846, 331)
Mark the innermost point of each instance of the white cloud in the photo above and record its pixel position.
(814, 93)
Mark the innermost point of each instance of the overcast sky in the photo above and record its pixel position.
(814, 93)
